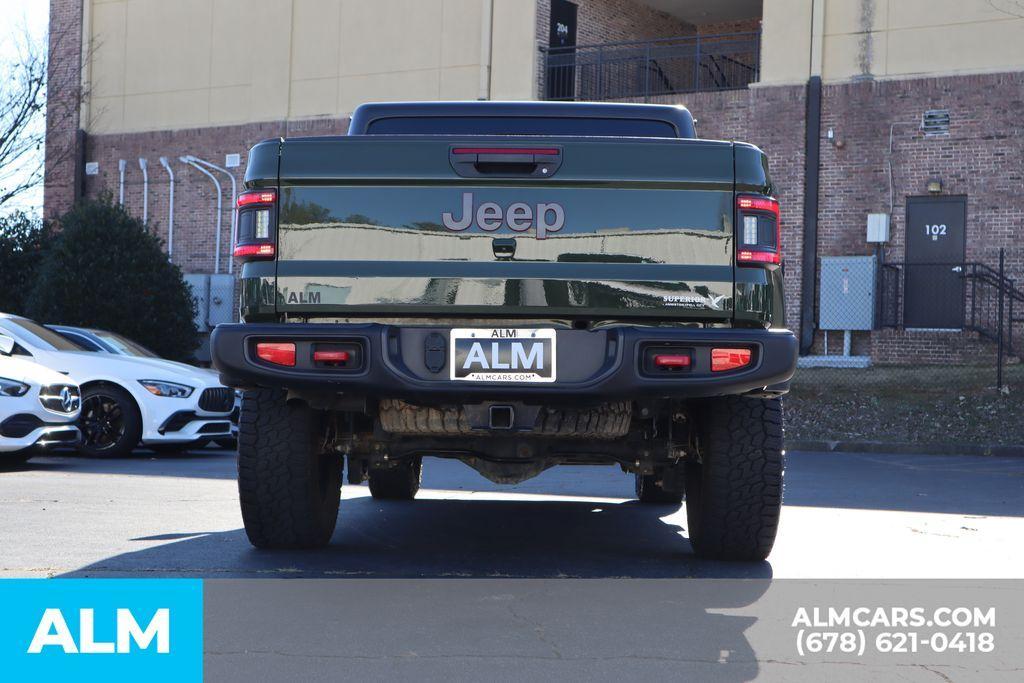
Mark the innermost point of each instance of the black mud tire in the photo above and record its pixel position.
(734, 495)
(288, 488)
(110, 422)
(400, 482)
(14, 461)
(649, 491)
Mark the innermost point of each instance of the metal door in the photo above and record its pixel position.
(936, 247)
(561, 75)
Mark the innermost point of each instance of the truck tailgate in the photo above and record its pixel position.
(618, 228)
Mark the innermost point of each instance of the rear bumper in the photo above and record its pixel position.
(594, 365)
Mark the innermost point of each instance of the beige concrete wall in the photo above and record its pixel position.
(899, 38)
(160, 65)
(785, 41)
(891, 38)
(513, 51)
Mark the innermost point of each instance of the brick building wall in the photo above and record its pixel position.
(613, 21)
(982, 158)
(751, 25)
(610, 21)
(64, 68)
(195, 197)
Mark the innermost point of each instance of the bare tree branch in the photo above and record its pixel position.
(30, 93)
(1013, 8)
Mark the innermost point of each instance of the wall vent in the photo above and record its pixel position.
(935, 122)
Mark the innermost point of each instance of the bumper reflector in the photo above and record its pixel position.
(672, 360)
(729, 359)
(278, 353)
(331, 356)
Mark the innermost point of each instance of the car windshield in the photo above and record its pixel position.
(42, 337)
(123, 345)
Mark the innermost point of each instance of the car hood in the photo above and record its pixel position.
(83, 365)
(29, 372)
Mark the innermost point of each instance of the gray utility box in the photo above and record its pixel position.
(222, 300)
(215, 299)
(200, 284)
(847, 293)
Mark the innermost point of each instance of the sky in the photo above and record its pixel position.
(17, 16)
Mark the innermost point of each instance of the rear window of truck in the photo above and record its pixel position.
(582, 126)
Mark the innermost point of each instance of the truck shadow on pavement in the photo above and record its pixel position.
(499, 629)
(195, 463)
(450, 538)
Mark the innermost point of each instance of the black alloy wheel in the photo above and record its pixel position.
(110, 422)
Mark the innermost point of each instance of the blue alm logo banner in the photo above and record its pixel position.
(101, 629)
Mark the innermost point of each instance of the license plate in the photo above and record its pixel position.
(502, 355)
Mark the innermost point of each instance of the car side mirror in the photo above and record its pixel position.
(6, 345)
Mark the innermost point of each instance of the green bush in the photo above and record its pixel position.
(103, 269)
(22, 241)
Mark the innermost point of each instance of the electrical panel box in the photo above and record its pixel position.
(222, 299)
(847, 295)
(878, 227)
(200, 284)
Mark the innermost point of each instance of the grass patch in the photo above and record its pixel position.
(924, 404)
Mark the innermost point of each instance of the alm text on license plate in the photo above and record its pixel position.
(502, 355)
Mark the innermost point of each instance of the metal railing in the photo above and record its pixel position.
(992, 303)
(641, 70)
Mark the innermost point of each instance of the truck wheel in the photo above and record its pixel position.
(397, 483)
(649, 491)
(734, 495)
(288, 488)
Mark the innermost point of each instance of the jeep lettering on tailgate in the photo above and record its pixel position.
(518, 216)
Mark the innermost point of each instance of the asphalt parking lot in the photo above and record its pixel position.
(845, 516)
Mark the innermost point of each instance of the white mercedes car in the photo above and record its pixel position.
(38, 407)
(104, 341)
(129, 400)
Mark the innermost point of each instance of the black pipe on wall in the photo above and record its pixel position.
(812, 163)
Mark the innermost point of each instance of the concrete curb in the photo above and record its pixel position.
(905, 448)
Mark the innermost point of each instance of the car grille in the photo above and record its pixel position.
(218, 400)
(60, 398)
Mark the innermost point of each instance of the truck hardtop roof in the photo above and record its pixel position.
(523, 118)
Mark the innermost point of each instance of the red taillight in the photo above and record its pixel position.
(729, 359)
(257, 197)
(672, 360)
(278, 353)
(331, 356)
(758, 204)
(255, 251)
(760, 250)
(751, 256)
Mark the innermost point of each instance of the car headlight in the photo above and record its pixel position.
(169, 389)
(9, 387)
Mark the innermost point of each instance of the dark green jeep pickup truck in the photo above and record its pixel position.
(517, 286)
